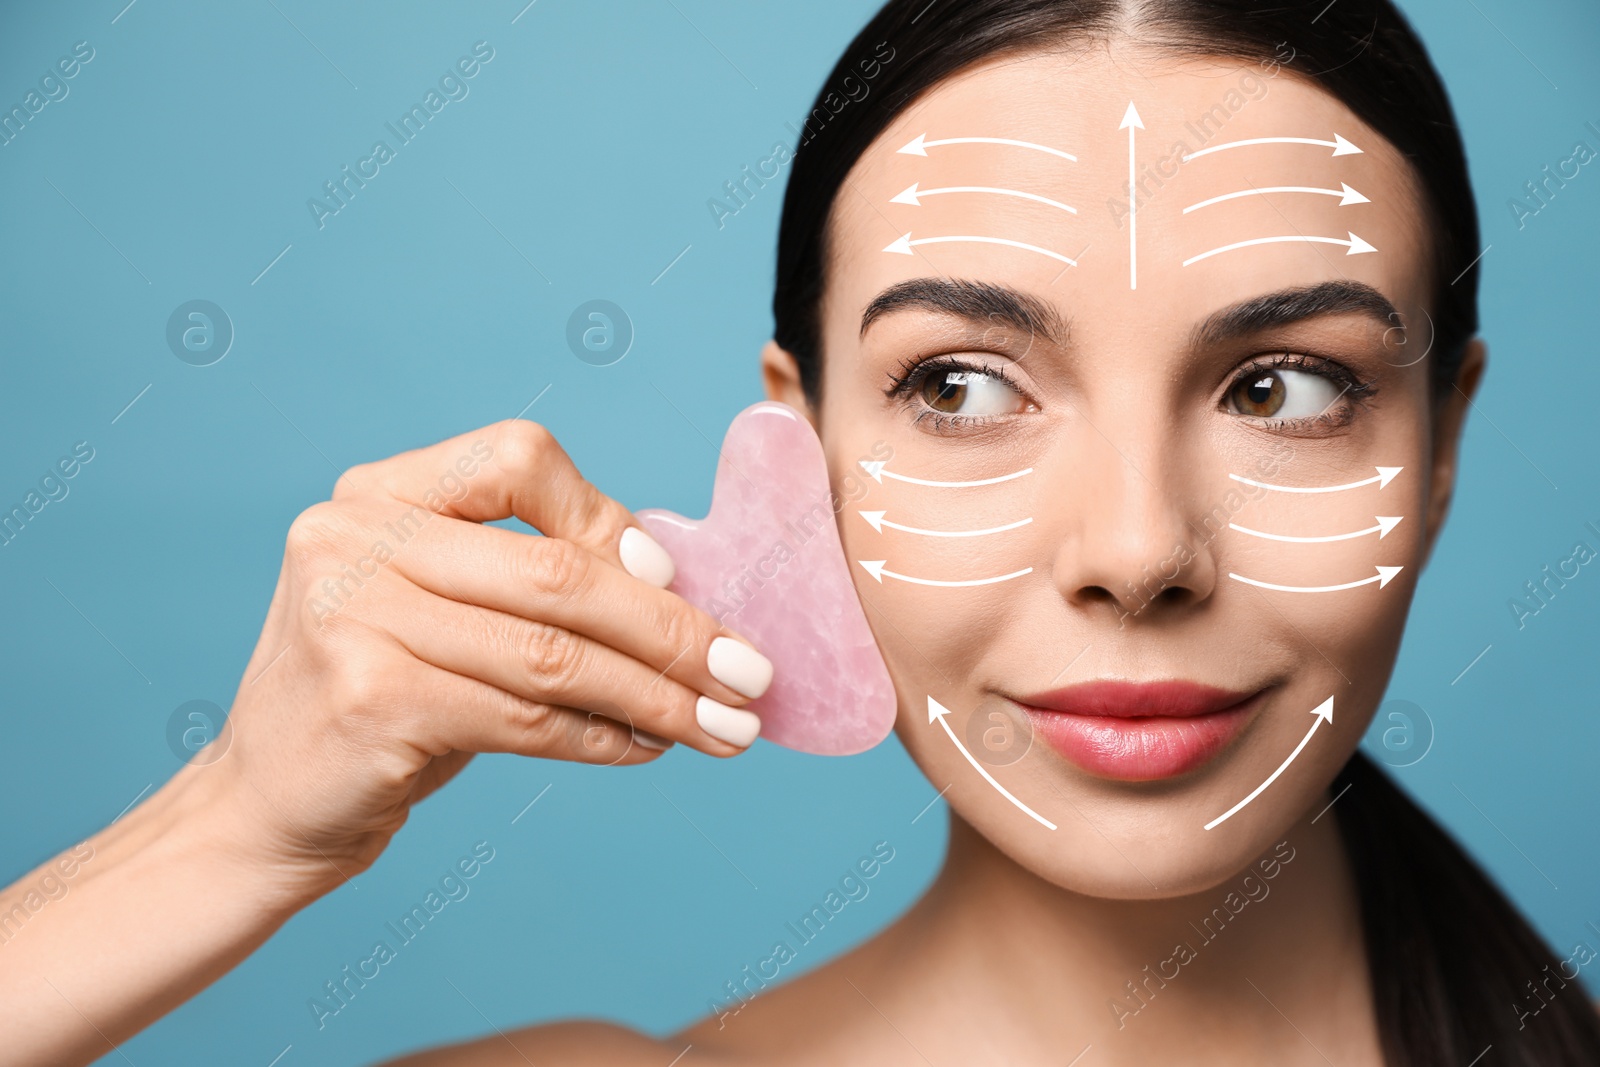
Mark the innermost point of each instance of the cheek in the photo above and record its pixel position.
(928, 592)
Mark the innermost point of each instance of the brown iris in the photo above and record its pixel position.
(946, 392)
(1260, 394)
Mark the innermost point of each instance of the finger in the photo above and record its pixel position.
(557, 582)
(514, 468)
(469, 715)
(547, 664)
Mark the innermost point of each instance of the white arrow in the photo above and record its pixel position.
(1131, 122)
(1383, 478)
(1383, 577)
(1324, 713)
(876, 518)
(937, 712)
(1347, 195)
(911, 195)
(875, 468)
(875, 567)
(1355, 245)
(905, 243)
(1385, 524)
(920, 145)
(1340, 146)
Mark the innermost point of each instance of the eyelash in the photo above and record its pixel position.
(1355, 390)
(904, 384)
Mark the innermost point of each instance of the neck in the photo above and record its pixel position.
(1141, 979)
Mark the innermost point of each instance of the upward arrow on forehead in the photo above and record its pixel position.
(1131, 122)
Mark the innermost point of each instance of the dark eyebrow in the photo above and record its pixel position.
(982, 302)
(1287, 306)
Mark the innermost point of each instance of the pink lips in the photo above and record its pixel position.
(1136, 732)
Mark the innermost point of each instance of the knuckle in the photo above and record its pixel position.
(352, 480)
(553, 656)
(315, 531)
(364, 685)
(683, 627)
(530, 717)
(523, 447)
(554, 567)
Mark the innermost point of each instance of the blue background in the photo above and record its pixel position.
(579, 167)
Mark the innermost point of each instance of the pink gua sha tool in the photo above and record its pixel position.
(767, 562)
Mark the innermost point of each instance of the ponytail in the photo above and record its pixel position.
(1455, 968)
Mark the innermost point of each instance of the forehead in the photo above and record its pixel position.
(1224, 179)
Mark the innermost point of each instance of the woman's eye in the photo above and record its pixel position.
(965, 392)
(1283, 394)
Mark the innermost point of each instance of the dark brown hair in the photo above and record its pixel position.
(1453, 964)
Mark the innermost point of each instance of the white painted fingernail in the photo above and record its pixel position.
(739, 667)
(733, 725)
(649, 740)
(645, 559)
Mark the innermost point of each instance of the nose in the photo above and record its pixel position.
(1129, 549)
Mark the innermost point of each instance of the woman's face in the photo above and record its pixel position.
(1131, 652)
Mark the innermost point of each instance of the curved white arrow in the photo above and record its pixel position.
(1355, 245)
(875, 467)
(1385, 524)
(1340, 146)
(1346, 194)
(1324, 713)
(911, 195)
(920, 144)
(1384, 476)
(905, 244)
(876, 518)
(1383, 577)
(875, 567)
(937, 711)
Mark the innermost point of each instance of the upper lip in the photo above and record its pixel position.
(1122, 699)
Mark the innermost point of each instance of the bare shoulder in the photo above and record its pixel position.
(573, 1043)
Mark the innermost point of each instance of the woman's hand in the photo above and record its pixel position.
(404, 636)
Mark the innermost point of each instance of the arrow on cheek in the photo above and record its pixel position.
(1384, 576)
(876, 568)
(1324, 713)
(937, 713)
(876, 518)
(1385, 524)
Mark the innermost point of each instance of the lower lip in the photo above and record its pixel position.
(1140, 749)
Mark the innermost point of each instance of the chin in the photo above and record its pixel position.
(1124, 830)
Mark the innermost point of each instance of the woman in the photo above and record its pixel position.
(1101, 260)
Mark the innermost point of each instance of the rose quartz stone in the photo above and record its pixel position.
(767, 563)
